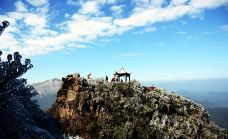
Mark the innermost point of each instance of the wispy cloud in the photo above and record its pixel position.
(146, 30)
(37, 2)
(183, 23)
(117, 9)
(181, 32)
(32, 33)
(90, 7)
(73, 2)
(131, 54)
(224, 28)
(20, 6)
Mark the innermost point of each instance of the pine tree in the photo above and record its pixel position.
(20, 115)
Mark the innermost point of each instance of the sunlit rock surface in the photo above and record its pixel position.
(98, 109)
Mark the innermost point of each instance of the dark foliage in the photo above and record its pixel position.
(20, 116)
(5, 24)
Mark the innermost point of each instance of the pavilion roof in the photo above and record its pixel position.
(122, 71)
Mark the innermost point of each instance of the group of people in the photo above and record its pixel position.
(114, 78)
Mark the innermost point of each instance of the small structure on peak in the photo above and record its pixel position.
(122, 73)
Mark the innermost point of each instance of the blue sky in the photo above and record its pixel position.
(153, 39)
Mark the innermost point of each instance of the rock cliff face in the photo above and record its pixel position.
(98, 109)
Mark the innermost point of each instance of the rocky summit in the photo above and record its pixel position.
(99, 109)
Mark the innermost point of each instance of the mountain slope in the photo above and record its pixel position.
(100, 109)
(47, 92)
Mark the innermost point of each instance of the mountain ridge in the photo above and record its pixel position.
(99, 109)
(48, 98)
(47, 92)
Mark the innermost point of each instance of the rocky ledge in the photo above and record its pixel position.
(99, 109)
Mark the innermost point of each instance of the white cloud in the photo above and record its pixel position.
(75, 2)
(66, 15)
(163, 27)
(35, 20)
(20, 6)
(90, 7)
(141, 5)
(152, 15)
(146, 30)
(32, 33)
(37, 3)
(72, 2)
(117, 9)
(178, 2)
(208, 32)
(108, 2)
(141, 2)
(85, 26)
(7, 41)
(224, 28)
(26, 25)
(183, 23)
(112, 1)
(76, 45)
(16, 15)
(202, 4)
(131, 54)
(157, 3)
(181, 32)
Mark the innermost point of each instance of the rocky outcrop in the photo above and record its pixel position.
(98, 109)
(72, 106)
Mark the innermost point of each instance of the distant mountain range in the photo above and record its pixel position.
(210, 93)
(201, 86)
(47, 92)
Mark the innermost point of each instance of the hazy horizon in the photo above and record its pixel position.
(199, 86)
